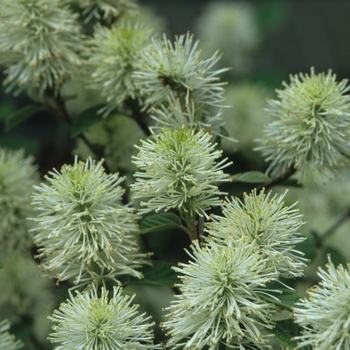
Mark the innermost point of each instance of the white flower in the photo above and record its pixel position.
(231, 27)
(325, 315)
(220, 304)
(311, 132)
(91, 322)
(39, 44)
(7, 341)
(108, 10)
(267, 224)
(84, 231)
(113, 55)
(18, 174)
(178, 170)
(177, 69)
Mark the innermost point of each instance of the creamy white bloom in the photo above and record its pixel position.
(220, 302)
(18, 175)
(311, 131)
(90, 321)
(177, 69)
(39, 44)
(7, 341)
(83, 229)
(268, 224)
(324, 315)
(113, 56)
(178, 169)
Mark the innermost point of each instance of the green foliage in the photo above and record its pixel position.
(20, 115)
(160, 222)
(250, 177)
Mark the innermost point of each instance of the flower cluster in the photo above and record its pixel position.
(39, 44)
(114, 54)
(18, 175)
(311, 132)
(266, 223)
(7, 341)
(84, 231)
(220, 301)
(325, 315)
(178, 170)
(89, 321)
(176, 71)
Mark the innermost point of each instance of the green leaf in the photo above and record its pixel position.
(159, 222)
(308, 247)
(20, 115)
(16, 142)
(284, 331)
(160, 274)
(1, 265)
(251, 177)
(287, 298)
(85, 120)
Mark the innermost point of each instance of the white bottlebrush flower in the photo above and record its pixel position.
(108, 10)
(311, 132)
(113, 55)
(83, 229)
(39, 44)
(7, 341)
(220, 304)
(18, 174)
(177, 169)
(177, 69)
(92, 322)
(267, 224)
(324, 315)
(231, 27)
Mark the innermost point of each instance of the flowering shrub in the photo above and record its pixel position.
(157, 210)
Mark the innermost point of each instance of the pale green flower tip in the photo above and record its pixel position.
(324, 313)
(266, 222)
(311, 128)
(7, 340)
(93, 230)
(206, 302)
(38, 28)
(109, 320)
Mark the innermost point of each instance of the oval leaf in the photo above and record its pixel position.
(159, 222)
(19, 116)
(85, 120)
(284, 332)
(251, 177)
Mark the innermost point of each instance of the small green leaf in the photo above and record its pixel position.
(159, 222)
(20, 115)
(251, 177)
(1, 265)
(160, 274)
(286, 299)
(284, 331)
(85, 120)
